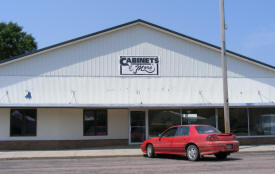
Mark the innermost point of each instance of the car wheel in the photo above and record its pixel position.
(150, 151)
(193, 153)
(221, 156)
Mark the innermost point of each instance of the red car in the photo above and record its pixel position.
(192, 141)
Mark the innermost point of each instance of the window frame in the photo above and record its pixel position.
(95, 110)
(35, 112)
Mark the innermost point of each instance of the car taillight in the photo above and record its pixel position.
(212, 138)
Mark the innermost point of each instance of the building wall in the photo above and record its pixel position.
(66, 124)
(88, 73)
(118, 123)
(4, 123)
(136, 91)
(99, 56)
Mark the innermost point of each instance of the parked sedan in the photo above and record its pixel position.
(192, 141)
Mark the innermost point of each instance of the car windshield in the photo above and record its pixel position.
(206, 130)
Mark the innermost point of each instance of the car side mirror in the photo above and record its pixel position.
(159, 135)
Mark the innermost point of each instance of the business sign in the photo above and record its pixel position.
(139, 65)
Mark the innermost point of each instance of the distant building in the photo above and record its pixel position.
(128, 83)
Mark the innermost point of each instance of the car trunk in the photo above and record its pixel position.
(225, 137)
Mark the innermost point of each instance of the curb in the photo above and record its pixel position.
(67, 157)
(255, 151)
(104, 156)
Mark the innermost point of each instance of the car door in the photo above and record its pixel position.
(180, 140)
(163, 145)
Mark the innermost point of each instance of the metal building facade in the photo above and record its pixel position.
(86, 73)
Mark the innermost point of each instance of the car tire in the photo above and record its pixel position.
(221, 156)
(193, 153)
(150, 151)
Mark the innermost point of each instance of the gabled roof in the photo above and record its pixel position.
(138, 21)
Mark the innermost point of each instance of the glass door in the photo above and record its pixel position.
(137, 126)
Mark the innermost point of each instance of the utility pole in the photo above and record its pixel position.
(224, 70)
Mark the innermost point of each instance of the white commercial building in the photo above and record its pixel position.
(128, 83)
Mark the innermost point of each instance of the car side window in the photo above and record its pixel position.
(170, 133)
(183, 131)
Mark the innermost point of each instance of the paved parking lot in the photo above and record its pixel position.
(260, 162)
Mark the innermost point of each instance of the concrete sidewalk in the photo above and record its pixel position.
(100, 152)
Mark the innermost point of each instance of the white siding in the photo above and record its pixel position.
(189, 74)
(66, 124)
(100, 57)
(137, 90)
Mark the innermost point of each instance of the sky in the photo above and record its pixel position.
(250, 23)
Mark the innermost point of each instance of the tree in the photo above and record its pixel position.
(13, 41)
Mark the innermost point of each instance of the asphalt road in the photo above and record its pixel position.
(236, 163)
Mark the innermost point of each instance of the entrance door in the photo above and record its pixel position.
(137, 126)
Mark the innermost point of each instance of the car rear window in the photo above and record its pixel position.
(206, 130)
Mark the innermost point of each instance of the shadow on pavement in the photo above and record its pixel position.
(205, 158)
(214, 159)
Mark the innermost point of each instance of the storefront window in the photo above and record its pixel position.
(199, 116)
(220, 120)
(160, 120)
(95, 122)
(23, 122)
(262, 121)
(238, 121)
